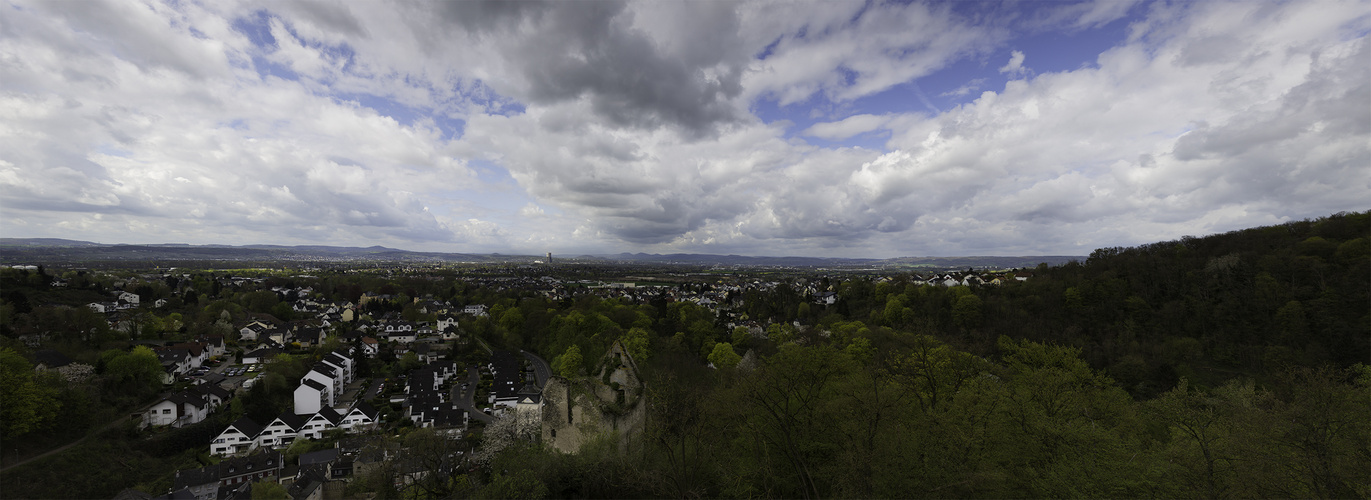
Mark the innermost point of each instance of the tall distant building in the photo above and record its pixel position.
(549, 257)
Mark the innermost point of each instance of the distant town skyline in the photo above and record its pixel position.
(824, 129)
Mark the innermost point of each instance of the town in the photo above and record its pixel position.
(438, 375)
(565, 379)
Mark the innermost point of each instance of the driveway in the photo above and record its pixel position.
(375, 389)
(463, 398)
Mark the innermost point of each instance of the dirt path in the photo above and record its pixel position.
(117, 422)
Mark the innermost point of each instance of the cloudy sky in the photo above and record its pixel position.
(770, 128)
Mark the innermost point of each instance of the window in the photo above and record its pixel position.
(166, 411)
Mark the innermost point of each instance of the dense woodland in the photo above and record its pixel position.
(1232, 365)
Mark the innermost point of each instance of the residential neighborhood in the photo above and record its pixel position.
(587, 380)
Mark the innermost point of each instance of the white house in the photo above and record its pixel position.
(238, 437)
(261, 355)
(129, 297)
(103, 307)
(311, 396)
(341, 364)
(475, 310)
(361, 417)
(321, 421)
(176, 410)
(329, 377)
(446, 322)
(215, 395)
(213, 344)
(281, 432)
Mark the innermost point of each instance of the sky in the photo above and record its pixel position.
(830, 128)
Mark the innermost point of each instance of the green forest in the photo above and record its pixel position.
(1233, 365)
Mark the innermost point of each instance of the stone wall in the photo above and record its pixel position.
(613, 401)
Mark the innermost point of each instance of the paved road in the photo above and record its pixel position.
(374, 389)
(541, 370)
(463, 398)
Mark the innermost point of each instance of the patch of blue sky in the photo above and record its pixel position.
(490, 173)
(769, 49)
(489, 100)
(495, 196)
(900, 99)
(257, 28)
(409, 116)
(265, 68)
(1059, 51)
(874, 140)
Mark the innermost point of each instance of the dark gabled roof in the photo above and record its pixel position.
(314, 384)
(181, 494)
(195, 477)
(530, 393)
(194, 349)
(263, 352)
(324, 369)
(242, 491)
(365, 408)
(173, 355)
(212, 379)
(307, 481)
(329, 414)
(237, 466)
(350, 446)
(187, 397)
(295, 422)
(318, 457)
(213, 389)
(506, 371)
(246, 426)
(421, 378)
(448, 417)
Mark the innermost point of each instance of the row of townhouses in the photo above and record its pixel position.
(426, 402)
(244, 435)
(313, 413)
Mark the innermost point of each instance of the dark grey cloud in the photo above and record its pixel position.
(591, 50)
(334, 17)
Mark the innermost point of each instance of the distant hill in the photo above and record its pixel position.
(25, 250)
(28, 250)
(44, 242)
(982, 262)
(986, 262)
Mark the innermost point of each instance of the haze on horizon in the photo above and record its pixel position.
(841, 129)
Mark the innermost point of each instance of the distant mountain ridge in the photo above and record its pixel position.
(45, 242)
(912, 262)
(26, 250)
